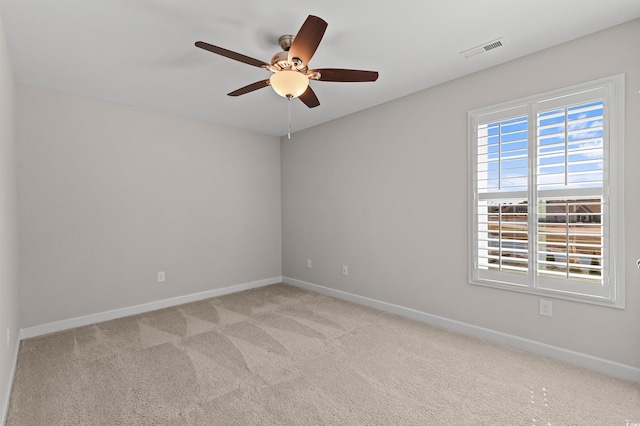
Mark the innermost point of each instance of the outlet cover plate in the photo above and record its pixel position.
(546, 308)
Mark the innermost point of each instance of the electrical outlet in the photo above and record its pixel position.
(345, 270)
(545, 308)
(309, 263)
(161, 276)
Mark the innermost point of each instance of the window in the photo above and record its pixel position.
(546, 213)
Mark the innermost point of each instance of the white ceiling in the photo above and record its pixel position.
(142, 53)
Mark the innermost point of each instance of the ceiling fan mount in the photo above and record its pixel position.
(290, 68)
(285, 42)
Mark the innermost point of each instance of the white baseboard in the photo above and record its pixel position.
(52, 327)
(12, 375)
(601, 365)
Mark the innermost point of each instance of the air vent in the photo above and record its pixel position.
(485, 47)
(492, 45)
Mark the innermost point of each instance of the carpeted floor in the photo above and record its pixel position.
(279, 355)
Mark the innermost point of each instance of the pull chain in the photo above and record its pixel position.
(289, 108)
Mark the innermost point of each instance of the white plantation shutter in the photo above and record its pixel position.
(542, 208)
(502, 187)
(570, 187)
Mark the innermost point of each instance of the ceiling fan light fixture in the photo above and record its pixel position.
(290, 68)
(288, 83)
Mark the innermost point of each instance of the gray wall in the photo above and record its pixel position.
(8, 223)
(109, 195)
(384, 191)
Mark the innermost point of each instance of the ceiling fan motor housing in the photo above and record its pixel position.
(281, 59)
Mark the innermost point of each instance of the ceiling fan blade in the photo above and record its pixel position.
(309, 98)
(230, 54)
(250, 88)
(339, 74)
(307, 40)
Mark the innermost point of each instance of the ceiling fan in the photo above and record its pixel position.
(290, 68)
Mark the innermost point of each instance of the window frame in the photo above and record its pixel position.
(612, 196)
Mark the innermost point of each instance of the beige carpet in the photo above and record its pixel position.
(279, 355)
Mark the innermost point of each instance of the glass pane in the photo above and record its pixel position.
(502, 161)
(503, 236)
(570, 147)
(570, 239)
